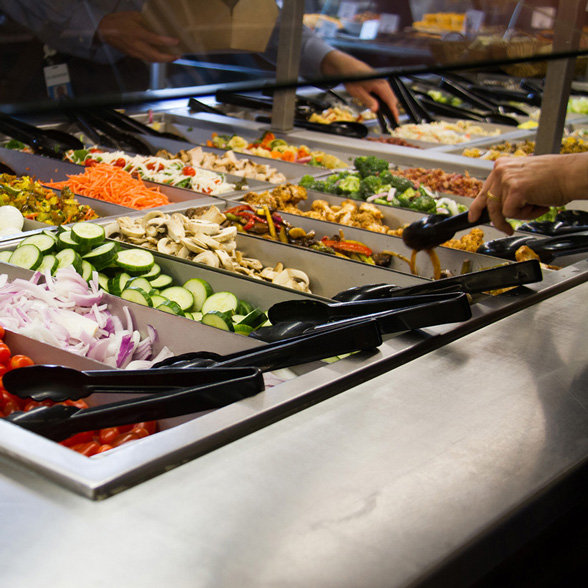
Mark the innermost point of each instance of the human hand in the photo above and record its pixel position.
(525, 187)
(126, 32)
(339, 63)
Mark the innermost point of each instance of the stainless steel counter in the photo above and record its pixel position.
(445, 464)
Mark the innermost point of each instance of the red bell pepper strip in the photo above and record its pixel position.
(347, 246)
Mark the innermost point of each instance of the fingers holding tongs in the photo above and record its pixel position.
(386, 118)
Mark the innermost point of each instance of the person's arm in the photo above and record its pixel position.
(338, 63)
(525, 187)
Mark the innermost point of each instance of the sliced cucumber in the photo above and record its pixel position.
(44, 243)
(135, 261)
(118, 283)
(218, 319)
(221, 301)
(162, 281)
(103, 282)
(157, 299)
(137, 295)
(67, 257)
(102, 256)
(153, 272)
(64, 241)
(5, 255)
(87, 234)
(255, 318)
(87, 270)
(139, 283)
(237, 318)
(49, 263)
(27, 256)
(171, 307)
(182, 296)
(200, 289)
(243, 329)
(244, 307)
(197, 316)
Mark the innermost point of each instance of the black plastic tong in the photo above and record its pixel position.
(61, 421)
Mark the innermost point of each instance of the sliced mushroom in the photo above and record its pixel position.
(207, 258)
(167, 246)
(225, 260)
(193, 245)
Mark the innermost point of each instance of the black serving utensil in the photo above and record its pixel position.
(129, 124)
(299, 349)
(318, 312)
(499, 94)
(410, 102)
(198, 106)
(343, 128)
(547, 249)
(58, 383)
(93, 134)
(6, 169)
(463, 113)
(434, 229)
(453, 308)
(386, 118)
(566, 221)
(504, 276)
(60, 422)
(124, 141)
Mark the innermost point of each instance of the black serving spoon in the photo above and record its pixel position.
(547, 248)
(61, 421)
(454, 308)
(434, 229)
(566, 221)
(504, 276)
(317, 312)
(58, 383)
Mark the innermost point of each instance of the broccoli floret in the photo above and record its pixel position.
(332, 179)
(368, 186)
(370, 165)
(406, 198)
(424, 203)
(386, 177)
(349, 184)
(319, 186)
(355, 195)
(307, 182)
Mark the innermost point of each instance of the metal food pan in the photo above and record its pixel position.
(328, 275)
(488, 142)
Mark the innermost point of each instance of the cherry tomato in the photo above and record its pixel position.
(189, 171)
(120, 162)
(125, 438)
(30, 404)
(3, 369)
(5, 353)
(79, 438)
(2, 332)
(10, 407)
(19, 361)
(108, 435)
(90, 162)
(104, 448)
(150, 426)
(140, 432)
(87, 449)
(79, 403)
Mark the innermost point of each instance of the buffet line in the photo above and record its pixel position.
(171, 281)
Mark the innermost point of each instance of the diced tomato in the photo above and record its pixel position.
(189, 171)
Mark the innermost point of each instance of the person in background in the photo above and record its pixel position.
(525, 187)
(111, 31)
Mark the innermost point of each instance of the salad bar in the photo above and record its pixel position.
(155, 306)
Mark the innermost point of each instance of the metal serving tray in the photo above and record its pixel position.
(47, 169)
(328, 275)
(103, 475)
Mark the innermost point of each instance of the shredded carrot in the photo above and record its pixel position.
(113, 184)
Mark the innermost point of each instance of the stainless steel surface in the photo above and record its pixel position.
(558, 81)
(288, 64)
(378, 486)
